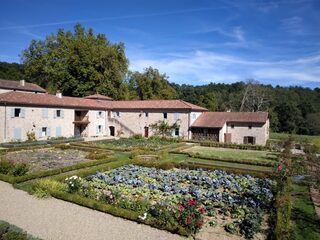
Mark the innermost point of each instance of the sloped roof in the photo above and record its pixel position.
(16, 85)
(47, 100)
(99, 97)
(218, 119)
(156, 104)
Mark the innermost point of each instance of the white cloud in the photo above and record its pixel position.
(292, 25)
(201, 67)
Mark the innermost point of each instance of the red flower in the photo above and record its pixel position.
(192, 202)
(280, 167)
(188, 220)
(193, 216)
(202, 210)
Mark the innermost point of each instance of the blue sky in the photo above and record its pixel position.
(192, 41)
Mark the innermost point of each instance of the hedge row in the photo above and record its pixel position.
(12, 232)
(283, 229)
(19, 179)
(42, 142)
(195, 165)
(5, 150)
(231, 145)
(102, 167)
(265, 163)
(115, 211)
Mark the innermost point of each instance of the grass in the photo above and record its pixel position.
(306, 224)
(299, 138)
(230, 165)
(233, 154)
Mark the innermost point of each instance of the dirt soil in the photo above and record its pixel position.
(315, 195)
(49, 158)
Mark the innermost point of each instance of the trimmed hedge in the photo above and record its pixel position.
(115, 211)
(265, 163)
(24, 148)
(12, 232)
(283, 229)
(12, 179)
(102, 167)
(231, 145)
(194, 165)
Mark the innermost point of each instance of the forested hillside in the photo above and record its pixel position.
(13, 71)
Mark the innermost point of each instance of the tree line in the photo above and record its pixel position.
(80, 63)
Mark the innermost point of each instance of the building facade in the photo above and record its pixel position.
(24, 112)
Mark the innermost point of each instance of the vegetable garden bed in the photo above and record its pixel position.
(19, 166)
(178, 200)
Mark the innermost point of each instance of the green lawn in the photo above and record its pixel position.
(236, 154)
(299, 138)
(306, 225)
(230, 165)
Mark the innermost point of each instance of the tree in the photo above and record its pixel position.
(313, 123)
(77, 63)
(163, 128)
(255, 97)
(150, 85)
(11, 71)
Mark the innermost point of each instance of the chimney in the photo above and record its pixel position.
(59, 94)
(22, 82)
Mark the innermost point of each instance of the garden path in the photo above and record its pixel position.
(58, 220)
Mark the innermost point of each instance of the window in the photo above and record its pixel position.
(118, 114)
(165, 115)
(176, 132)
(59, 113)
(146, 114)
(99, 129)
(44, 132)
(232, 125)
(17, 112)
(249, 140)
(249, 126)
(100, 114)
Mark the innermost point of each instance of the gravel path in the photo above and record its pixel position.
(55, 219)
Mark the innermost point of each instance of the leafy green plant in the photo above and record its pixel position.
(74, 183)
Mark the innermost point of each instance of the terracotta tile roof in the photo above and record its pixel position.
(30, 99)
(218, 119)
(47, 100)
(156, 104)
(16, 85)
(99, 97)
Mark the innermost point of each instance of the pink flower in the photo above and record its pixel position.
(280, 167)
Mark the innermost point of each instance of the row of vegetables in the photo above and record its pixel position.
(189, 198)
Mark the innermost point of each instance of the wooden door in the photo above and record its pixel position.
(111, 128)
(146, 132)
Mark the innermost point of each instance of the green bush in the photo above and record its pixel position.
(97, 155)
(11, 232)
(5, 166)
(19, 169)
(283, 229)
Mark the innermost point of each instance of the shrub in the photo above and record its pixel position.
(5, 166)
(4, 226)
(74, 183)
(43, 187)
(97, 155)
(166, 165)
(12, 235)
(137, 136)
(20, 169)
(136, 152)
(31, 136)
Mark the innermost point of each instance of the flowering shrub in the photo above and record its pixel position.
(191, 215)
(73, 183)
